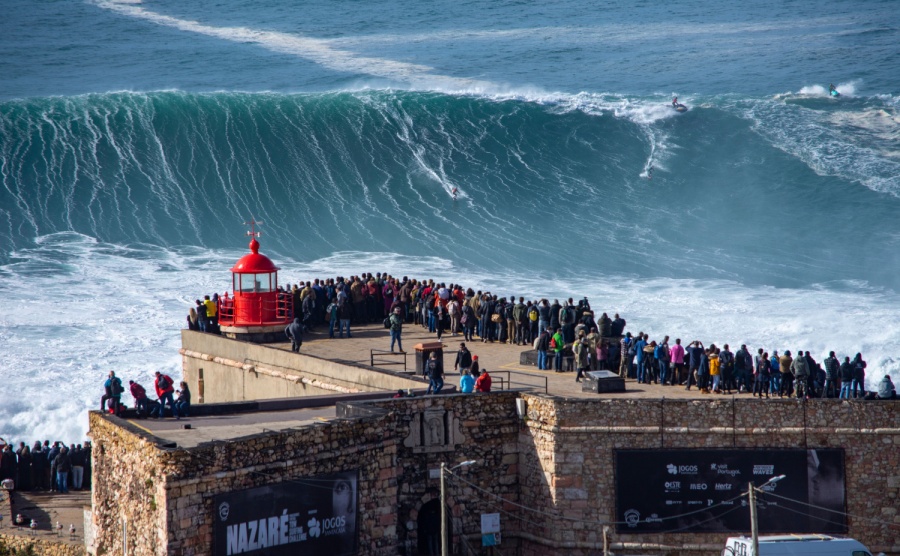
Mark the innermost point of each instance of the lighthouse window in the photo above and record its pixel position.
(255, 283)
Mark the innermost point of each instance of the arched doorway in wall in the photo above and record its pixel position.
(429, 529)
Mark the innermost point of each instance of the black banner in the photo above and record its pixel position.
(699, 490)
(308, 515)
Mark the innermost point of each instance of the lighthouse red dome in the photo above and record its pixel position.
(257, 306)
(253, 262)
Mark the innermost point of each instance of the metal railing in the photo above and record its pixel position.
(283, 309)
(381, 358)
(516, 379)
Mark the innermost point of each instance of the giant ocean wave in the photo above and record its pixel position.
(763, 191)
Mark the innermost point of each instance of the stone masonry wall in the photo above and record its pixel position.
(551, 476)
(567, 468)
(165, 495)
(9, 544)
(129, 489)
(487, 433)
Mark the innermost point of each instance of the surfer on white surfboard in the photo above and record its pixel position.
(453, 192)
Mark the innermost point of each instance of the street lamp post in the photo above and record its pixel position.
(445, 534)
(754, 519)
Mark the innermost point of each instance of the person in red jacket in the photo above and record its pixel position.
(164, 389)
(141, 402)
(483, 384)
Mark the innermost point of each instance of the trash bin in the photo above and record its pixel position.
(424, 351)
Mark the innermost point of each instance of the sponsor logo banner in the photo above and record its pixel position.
(699, 490)
(308, 515)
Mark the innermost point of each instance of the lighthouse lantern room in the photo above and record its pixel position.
(257, 311)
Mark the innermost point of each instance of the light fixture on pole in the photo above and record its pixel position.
(754, 520)
(445, 537)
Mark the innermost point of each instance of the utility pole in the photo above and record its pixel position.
(754, 521)
(445, 540)
(445, 533)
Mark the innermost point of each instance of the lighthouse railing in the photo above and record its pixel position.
(262, 310)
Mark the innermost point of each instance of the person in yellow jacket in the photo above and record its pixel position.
(211, 313)
(714, 369)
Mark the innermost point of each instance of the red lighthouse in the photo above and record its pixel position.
(258, 311)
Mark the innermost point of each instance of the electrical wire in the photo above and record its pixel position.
(802, 503)
(576, 520)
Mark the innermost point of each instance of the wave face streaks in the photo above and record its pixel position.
(555, 184)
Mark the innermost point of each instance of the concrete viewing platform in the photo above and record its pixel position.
(501, 361)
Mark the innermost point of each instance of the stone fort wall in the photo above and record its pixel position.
(567, 460)
(549, 474)
(165, 494)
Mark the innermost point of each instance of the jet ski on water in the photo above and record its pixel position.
(833, 91)
(677, 106)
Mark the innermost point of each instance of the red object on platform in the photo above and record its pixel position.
(256, 300)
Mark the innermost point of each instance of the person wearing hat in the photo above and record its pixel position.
(474, 369)
(396, 328)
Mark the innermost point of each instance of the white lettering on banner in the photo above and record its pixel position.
(698, 486)
(673, 485)
(683, 469)
(265, 533)
(763, 469)
(724, 486)
(722, 469)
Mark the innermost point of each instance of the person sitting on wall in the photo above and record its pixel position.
(114, 389)
(483, 384)
(886, 389)
(183, 401)
(466, 382)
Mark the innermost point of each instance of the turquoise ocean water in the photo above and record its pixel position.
(136, 137)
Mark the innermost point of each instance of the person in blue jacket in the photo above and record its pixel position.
(466, 382)
(114, 389)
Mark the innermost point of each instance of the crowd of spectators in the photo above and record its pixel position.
(567, 336)
(45, 467)
(763, 374)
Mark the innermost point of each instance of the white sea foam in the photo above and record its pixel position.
(830, 143)
(847, 89)
(110, 307)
